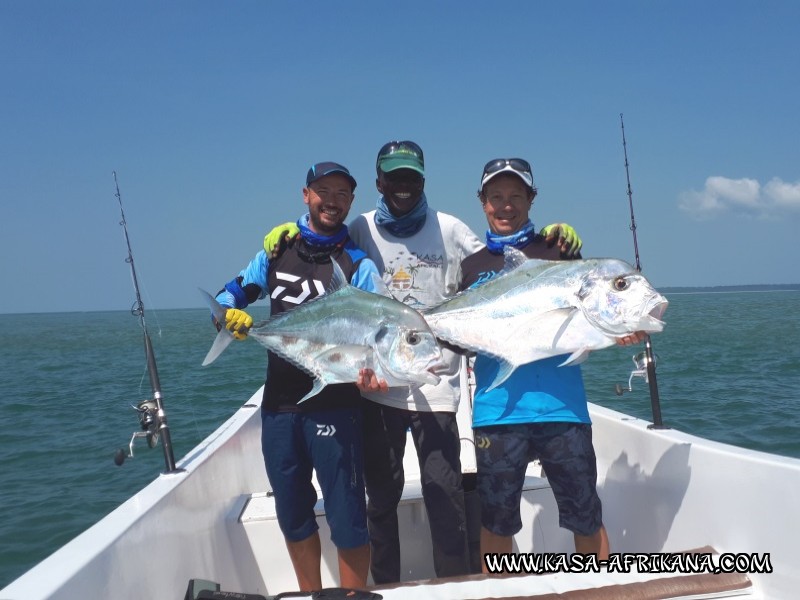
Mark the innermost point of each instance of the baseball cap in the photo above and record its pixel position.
(321, 169)
(400, 155)
(516, 166)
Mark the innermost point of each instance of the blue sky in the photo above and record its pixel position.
(211, 113)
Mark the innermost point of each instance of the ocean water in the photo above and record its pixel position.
(728, 370)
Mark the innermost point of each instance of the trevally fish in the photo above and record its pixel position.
(335, 335)
(535, 309)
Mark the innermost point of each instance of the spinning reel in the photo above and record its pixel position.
(149, 421)
(640, 361)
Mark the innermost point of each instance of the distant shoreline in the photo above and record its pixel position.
(778, 287)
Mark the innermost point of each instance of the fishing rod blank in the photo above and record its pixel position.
(646, 365)
(152, 415)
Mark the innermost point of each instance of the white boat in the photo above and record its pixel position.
(664, 492)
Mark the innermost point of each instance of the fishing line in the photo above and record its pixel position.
(137, 308)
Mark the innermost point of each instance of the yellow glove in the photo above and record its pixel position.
(275, 241)
(238, 322)
(565, 237)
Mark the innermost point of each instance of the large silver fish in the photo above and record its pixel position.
(535, 309)
(335, 335)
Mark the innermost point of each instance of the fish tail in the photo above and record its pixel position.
(224, 337)
(222, 341)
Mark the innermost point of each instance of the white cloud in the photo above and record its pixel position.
(743, 196)
(783, 194)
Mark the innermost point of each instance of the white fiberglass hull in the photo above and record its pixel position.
(662, 491)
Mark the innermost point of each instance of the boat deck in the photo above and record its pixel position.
(257, 520)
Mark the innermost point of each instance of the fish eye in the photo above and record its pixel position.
(620, 284)
(412, 338)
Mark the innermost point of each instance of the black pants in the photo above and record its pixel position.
(435, 436)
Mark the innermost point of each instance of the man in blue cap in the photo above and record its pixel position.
(291, 442)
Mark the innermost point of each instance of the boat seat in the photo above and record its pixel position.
(254, 523)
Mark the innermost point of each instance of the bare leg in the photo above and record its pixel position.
(596, 543)
(354, 567)
(491, 543)
(306, 556)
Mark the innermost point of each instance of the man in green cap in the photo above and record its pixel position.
(419, 251)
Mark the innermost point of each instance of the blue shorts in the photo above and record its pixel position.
(330, 443)
(567, 456)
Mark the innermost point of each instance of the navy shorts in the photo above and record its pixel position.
(567, 456)
(330, 443)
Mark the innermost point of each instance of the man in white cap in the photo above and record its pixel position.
(540, 411)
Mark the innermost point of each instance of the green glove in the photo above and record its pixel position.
(565, 237)
(238, 322)
(276, 240)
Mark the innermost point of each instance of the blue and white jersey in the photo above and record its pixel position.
(302, 272)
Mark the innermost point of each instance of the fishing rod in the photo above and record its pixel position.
(152, 416)
(645, 361)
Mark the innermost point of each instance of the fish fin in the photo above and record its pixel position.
(380, 286)
(338, 279)
(512, 258)
(504, 371)
(372, 343)
(224, 337)
(374, 337)
(550, 325)
(316, 388)
(576, 357)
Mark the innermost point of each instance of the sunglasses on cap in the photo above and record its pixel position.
(498, 164)
(517, 166)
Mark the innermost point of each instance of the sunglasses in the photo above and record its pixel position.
(498, 164)
(390, 148)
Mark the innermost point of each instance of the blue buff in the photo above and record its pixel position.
(315, 239)
(404, 226)
(495, 243)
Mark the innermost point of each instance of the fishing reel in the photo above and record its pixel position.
(640, 361)
(149, 421)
